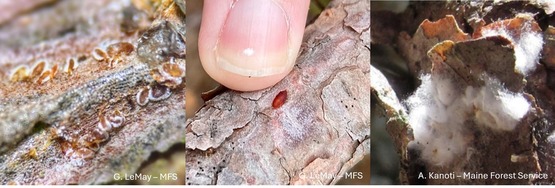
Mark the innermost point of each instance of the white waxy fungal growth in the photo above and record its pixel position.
(528, 43)
(440, 115)
(496, 107)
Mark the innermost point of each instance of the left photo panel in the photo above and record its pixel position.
(92, 92)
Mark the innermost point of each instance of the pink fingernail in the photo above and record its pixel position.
(254, 39)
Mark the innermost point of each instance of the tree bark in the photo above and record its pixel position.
(522, 150)
(39, 120)
(323, 127)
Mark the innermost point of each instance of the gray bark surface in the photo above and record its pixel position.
(32, 115)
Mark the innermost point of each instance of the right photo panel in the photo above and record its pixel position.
(463, 92)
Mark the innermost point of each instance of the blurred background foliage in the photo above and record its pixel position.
(385, 161)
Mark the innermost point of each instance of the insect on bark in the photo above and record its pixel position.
(280, 99)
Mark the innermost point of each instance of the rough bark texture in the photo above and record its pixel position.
(529, 147)
(42, 125)
(323, 128)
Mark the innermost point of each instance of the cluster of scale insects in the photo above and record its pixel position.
(41, 73)
(167, 76)
(113, 53)
(78, 145)
(84, 146)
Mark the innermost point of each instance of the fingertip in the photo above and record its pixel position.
(251, 44)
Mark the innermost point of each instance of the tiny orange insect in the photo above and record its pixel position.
(280, 99)
(99, 54)
(119, 48)
(44, 77)
(142, 96)
(19, 74)
(53, 71)
(70, 66)
(38, 69)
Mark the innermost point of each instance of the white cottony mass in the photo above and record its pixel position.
(440, 115)
(528, 44)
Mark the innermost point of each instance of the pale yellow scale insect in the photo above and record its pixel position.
(19, 74)
(113, 53)
(40, 73)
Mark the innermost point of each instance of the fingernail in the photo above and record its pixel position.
(254, 39)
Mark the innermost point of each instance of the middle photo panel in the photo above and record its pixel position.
(278, 92)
